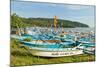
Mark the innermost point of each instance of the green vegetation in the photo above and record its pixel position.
(61, 35)
(17, 21)
(28, 39)
(15, 43)
(21, 56)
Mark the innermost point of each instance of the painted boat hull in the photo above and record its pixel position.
(55, 53)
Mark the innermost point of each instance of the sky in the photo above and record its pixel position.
(81, 13)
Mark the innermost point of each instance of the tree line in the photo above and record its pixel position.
(21, 22)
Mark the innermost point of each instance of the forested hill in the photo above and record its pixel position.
(44, 22)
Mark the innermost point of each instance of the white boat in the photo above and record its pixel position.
(89, 50)
(57, 53)
(54, 52)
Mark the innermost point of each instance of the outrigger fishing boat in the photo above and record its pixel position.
(51, 43)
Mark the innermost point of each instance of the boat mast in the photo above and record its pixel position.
(55, 22)
(62, 27)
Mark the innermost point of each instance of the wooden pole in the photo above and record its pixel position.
(55, 22)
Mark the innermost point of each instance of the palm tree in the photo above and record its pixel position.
(16, 22)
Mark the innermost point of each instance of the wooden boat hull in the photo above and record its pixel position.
(55, 53)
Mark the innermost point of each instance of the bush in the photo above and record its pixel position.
(15, 43)
(61, 35)
(28, 39)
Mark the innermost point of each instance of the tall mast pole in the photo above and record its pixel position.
(55, 22)
(62, 26)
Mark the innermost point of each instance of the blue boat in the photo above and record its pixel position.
(53, 43)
